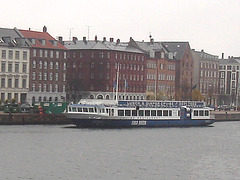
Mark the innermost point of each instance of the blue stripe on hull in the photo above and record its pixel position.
(140, 123)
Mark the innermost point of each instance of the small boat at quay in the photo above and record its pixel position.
(138, 113)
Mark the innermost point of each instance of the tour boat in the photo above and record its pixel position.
(138, 113)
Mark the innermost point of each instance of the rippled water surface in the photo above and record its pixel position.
(62, 152)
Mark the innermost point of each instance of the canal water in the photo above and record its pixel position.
(65, 152)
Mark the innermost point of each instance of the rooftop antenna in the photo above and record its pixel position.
(70, 33)
(150, 36)
(88, 31)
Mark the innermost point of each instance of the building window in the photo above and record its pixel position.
(45, 64)
(3, 83)
(92, 65)
(56, 77)
(40, 76)
(51, 54)
(24, 68)
(33, 76)
(64, 66)
(34, 53)
(92, 75)
(24, 83)
(17, 67)
(64, 88)
(50, 87)
(65, 55)
(40, 64)
(41, 53)
(56, 88)
(64, 77)
(40, 87)
(51, 65)
(50, 76)
(3, 54)
(9, 83)
(57, 65)
(24, 55)
(44, 88)
(10, 54)
(57, 54)
(33, 87)
(17, 55)
(9, 67)
(45, 53)
(34, 64)
(45, 76)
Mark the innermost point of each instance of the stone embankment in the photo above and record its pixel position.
(31, 119)
(226, 115)
(24, 118)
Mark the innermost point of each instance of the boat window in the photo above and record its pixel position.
(134, 112)
(147, 113)
(159, 112)
(69, 109)
(170, 112)
(201, 113)
(107, 110)
(103, 110)
(195, 113)
(206, 113)
(127, 113)
(153, 113)
(79, 109)
(74, 109)
(165, 112)
(178, 112)
(85, 109)
(95, 109)
(120, 112)
(91, 110)
(141, 113)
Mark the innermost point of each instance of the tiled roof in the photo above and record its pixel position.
(14, 36)
(178, 48)
(39, 36)
(100, 45)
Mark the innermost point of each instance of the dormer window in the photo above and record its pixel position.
(33, 41)
(43, 42)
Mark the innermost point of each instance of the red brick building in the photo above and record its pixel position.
(160, 69)
(93, 66)
(47, 67)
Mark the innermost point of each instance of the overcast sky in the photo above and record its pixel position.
(212, 25)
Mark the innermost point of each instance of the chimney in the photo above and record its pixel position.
(60, 38)
(104, 39)
(131, 39)
(111, 39)
(44, 28)
(152, 40)
(84, 40)
(222, 55)
(118, 41)
(96, 38)
(74, 39)
(202, 50)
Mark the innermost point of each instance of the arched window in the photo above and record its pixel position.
(107, 97)
(91, 96)
(56, 99)
(44, 99)
(40, 99)
(100, 96)
(50, 99)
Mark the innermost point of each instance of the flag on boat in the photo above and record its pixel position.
(114, 84)
(194, 87)
(126, 83)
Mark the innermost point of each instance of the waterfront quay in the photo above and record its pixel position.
(58, 119)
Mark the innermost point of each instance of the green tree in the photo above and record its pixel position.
(196, 95)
